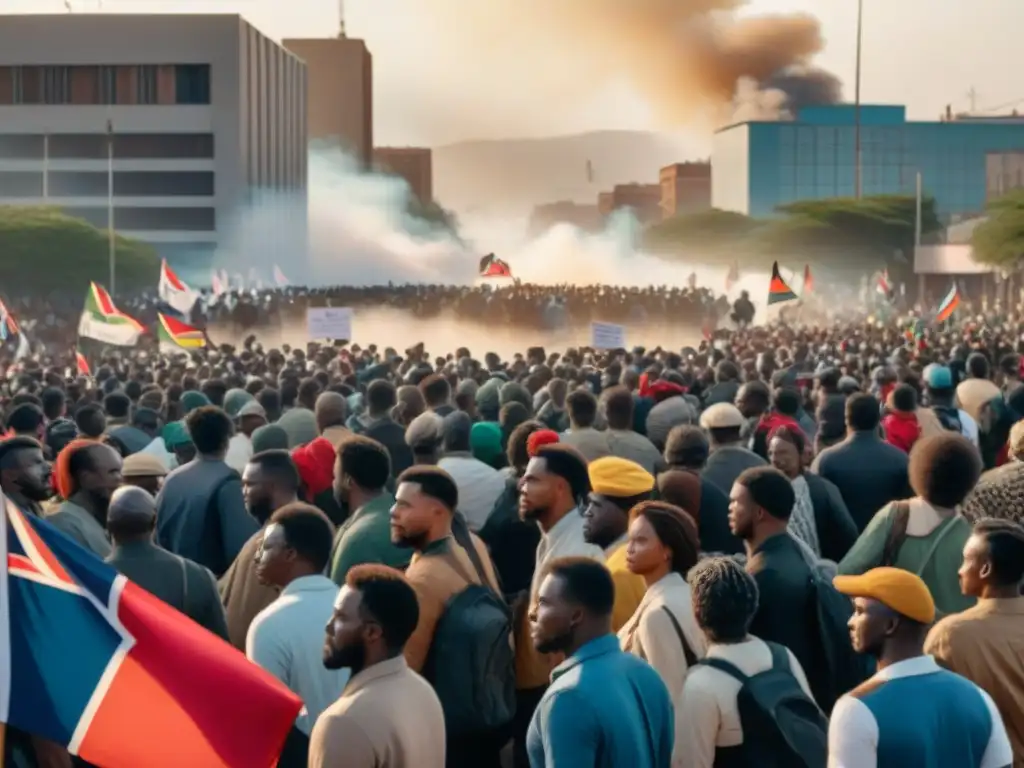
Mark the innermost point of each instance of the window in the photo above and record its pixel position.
(192, 83)
(163, 145)
(146, 84)
(14, 146)
(20, 184)
(108, 85)
(163, 183)
(149, 219)
(77, 183)
(56, 85)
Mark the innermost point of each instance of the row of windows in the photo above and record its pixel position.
(106, 84)
(95, 183)
(910, 137)
(135, 218)
(96, 146)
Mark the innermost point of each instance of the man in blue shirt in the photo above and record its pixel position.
(912, 712)
(604, 708)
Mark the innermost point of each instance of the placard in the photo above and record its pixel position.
(330, 323)
(607, 336)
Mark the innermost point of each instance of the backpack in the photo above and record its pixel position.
(949, 418)
(471, 663)
(782, 726)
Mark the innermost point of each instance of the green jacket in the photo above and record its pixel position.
(366, 538)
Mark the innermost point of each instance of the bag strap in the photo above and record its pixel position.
(688, 654)
(945, 528)
(463, 537)
(897, 534)
(729, 668)
(780, 657)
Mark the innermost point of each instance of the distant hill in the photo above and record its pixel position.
(511, 176)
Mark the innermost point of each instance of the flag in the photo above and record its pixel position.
(216, 284)
(883, 286)
(732, 277)
(493, 267)
(948, 305)
(175, 335)
(83, 364)
(23, 349)
(98, 665)
(915, 330)
(175, 293)
(8, 325)
(778, 290)
(103, 321)
(808, 279)
(279, 279)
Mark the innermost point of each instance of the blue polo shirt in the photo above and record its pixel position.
(916, 713)
(603, 709)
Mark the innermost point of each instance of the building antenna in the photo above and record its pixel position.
(341, 19)
(972, 96)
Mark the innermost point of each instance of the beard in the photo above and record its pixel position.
(261, 510)
(349, 657)
(35, 492)
(557, 644)
(532, 513)
(415, 541)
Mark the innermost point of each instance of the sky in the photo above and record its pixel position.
(436, 82)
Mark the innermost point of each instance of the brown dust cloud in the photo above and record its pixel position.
(696, 62)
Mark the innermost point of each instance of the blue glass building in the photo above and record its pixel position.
(757, 166)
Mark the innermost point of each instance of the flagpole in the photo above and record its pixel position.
(46, 166)
(917, 236)
(111, 244)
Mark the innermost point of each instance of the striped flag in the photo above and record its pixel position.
(174, 292)
(103, 321)
(778, 289)
(948, 305)
(83, 364)
(174, 335)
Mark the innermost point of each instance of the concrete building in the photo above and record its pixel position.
(643, 199)
(582, 216)
(340, 97)
(196, 111)
(414, 164)
(685, 188)
(757, 166)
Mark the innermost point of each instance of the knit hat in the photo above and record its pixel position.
(300, 425)
(485, 442)
(269, 437)
(487, 398)
(234, 399)
(899, 590)
(315, 462)
(191, 400)
(619, 478)
(175, 435)
(540, 438)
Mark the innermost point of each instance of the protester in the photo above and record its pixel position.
(604, 708)
(912, 710)
(87, 474)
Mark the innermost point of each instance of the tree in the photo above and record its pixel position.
(43, 249)
(999, 240)
(708, 228)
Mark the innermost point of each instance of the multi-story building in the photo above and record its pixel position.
(643, 199)
(340, 97)
(1004, 172)
(414, 164)
(685, 188)
(757, 166)
(171, 122)
(582, 216)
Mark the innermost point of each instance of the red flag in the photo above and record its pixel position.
(808, 279)
(83, 364)
(778, 289)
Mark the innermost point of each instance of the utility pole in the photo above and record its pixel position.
(857, 170)
(972, 98)
(341, 19)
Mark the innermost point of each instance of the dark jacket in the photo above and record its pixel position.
(785, 608)
(511, 541)
(868, 472)
(725, 464)
(836, 530)
(180, 583)
(201, 514)
(391, 435)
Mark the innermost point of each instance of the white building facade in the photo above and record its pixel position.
(174, 122)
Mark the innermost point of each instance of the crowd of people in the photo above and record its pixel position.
(794, 546)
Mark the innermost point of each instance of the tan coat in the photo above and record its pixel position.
(651, 636)
(436, 580)
(387, 717)
(242, 594)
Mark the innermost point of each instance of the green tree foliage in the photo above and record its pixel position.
(999, 240)
(43, 249)
(877, 228)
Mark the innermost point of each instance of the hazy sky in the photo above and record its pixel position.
(432, 89)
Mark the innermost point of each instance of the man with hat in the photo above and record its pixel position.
(144, 470)
(616, 486)
(941, 396)
(912, 712)
(729, 458)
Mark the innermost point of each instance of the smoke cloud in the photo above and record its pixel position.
(694, 61)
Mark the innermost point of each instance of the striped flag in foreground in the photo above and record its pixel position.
(98, 665)
(103, 321)
(175, 335)
(948, 305)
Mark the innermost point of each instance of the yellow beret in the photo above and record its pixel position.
(901, 591)
(620, 478)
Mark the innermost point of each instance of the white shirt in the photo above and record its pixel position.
(708, 716)
(853, 730)
(287, 639)
(479, 487)
(239, 452)
(565, 539)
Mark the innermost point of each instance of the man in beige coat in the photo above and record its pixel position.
(388, 716)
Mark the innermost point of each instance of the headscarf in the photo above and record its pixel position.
(315, 462)
(485, 442)
(63, 482)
